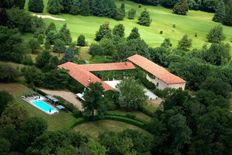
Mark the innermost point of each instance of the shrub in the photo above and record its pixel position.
(36, 6)
(131, 14)
(8, 73)
(144, 18)
(81, 40)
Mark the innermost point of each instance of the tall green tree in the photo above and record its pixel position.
(131, 95)
(85, 10)
(119, 30)
(59, 46)
(131, 13)
(134, 34)
(54, 6)
(104, 31)
(181, 8)
(220, 12)
(42, 59)
(93, 97)
(8, 73)
(36, 6)
(65, 35)
(216, 34)
(144, 18)
(185, 43)
(5, 99)
(81, 40)
(228, 17)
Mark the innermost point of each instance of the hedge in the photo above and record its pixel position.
(79, 121)
(124, 119)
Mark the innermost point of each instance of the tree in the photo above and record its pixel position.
(34, 45)
(220, 12)
(228, 17)
(108, 48)
(4, 146)
(95, 49)
(217, 86)
(103, 31)
(216, 34)
(19, 3)
(93, 97)
(53, 63)
(123, 9)
(185, 43)
(36, 6)
(5, 99)
(131, 13)
(3, 17)
(81, 40)
(207, 140)
(134, 34)
(69, 55)
(65, 35)
(217, 54)
(131, 95)
(117, 144)
(144, 18)
(51, 28)
(42, 59)
(8, 38)
(59, 46)
(181, 8)
(8, 73)
(66, 6)
(20, 19)
(30, 130)
(96, 148)
(14, 115)
(54, 6)
(85, 11)
(166, 43)
(118, 30)
(33, 76)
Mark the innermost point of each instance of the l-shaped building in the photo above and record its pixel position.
(156, 74)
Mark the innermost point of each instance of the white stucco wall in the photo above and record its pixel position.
(162, 85)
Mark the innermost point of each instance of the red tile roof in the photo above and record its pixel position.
(82, 73)
(156, 70)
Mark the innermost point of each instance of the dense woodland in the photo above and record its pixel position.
(192, 122)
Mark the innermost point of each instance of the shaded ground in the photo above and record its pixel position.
(67, 95)
(94, 129)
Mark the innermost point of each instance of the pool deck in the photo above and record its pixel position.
(41, 98)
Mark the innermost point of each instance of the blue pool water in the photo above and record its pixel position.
(44, 106)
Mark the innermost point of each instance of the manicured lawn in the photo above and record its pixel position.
(60, 121)
(94, 129)
(196, 22)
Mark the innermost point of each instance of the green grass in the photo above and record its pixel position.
(139, 115)
(60, 121)
(163, 19)
(94, 129)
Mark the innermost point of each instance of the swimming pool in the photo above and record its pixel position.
(44, 106)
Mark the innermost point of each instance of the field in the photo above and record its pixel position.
(196, 22)
(93, 129)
